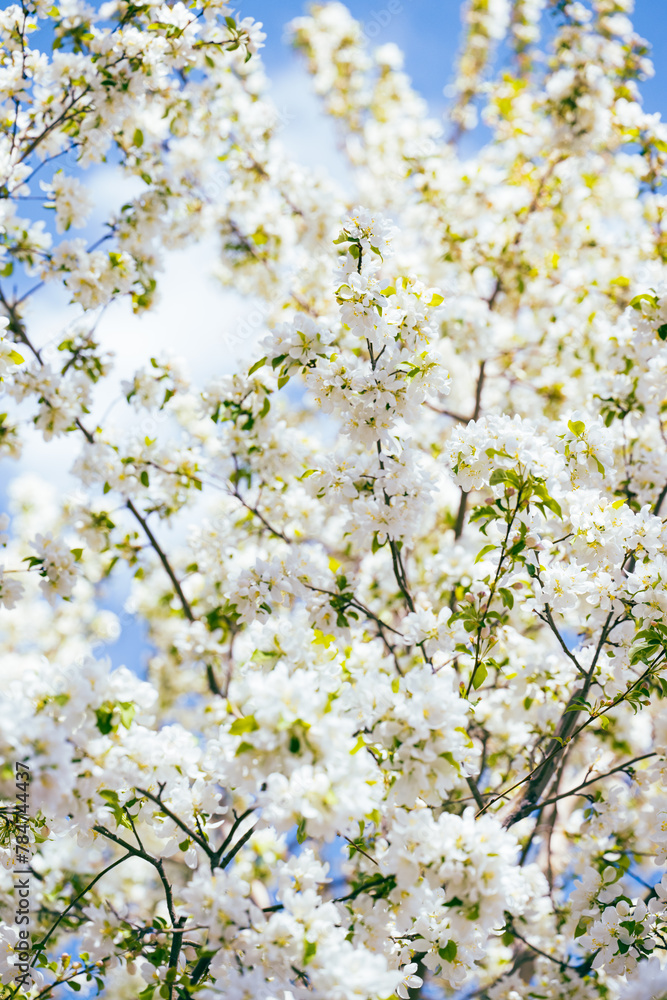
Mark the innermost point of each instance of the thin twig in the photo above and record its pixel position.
(600, 777)
(552, 625)
(40, 947)
(176, 819)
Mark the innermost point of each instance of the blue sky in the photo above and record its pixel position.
(428, 33)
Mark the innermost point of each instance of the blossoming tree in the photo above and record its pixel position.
(403, 729)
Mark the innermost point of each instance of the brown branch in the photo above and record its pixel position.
(260, 517)
(537, 780)
(358, 606)
(360, 850)
(600, 777)
(541, 775)
(39, 947)
(461, 513)
(49, 128)
(211, 679)
(448, 413)
(155, 862)
(237, 847)
(480, 378)
(18, 328)
(475, 792)
(399, 573)
(659, 501)
(175, 950)
(552, 625)
(558, 961)
(176, 819)
(492, 590)
(228, 839)
(163, 559)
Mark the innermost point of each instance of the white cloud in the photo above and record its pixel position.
(307, 134)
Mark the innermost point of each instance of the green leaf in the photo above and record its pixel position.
(554, 506)
(577, 705)
(74, 986)
(33, 561)
(144, 478)
(507, 597)
(18, 359)
(301, 831)
(448, 953)
(636, 302)
(479, 676)
(309, 950)
(480, 555)
(449, 756)
(138, 138)
(436, 301)
(127, 712)
(248, 724)
(77, 553)
(662, 331)
(104, 716)
(110, 796)
(577, 427)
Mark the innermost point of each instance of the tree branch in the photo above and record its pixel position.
(552, 625)
(40, 947)
(600, 777)
(461, 513)
(176, 819)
